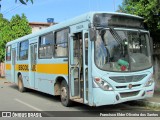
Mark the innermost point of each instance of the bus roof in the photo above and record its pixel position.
(78, 19)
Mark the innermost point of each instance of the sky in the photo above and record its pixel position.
(60, 10)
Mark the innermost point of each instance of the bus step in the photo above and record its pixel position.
(80, 100)
(75, 97)
(83, 89)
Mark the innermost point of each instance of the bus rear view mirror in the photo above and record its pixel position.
(92, 33)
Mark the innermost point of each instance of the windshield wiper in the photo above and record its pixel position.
(118, 39)
(116, 36)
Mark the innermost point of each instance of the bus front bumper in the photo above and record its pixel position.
(102, 97)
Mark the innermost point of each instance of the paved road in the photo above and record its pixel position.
(12, 100)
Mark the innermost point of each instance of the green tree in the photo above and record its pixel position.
(17, 27)
(20, 26)
(23, 1)
(4, 24)
(148, 9)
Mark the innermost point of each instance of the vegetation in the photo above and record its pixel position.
(17, 27)
(149, 9)
(25, 1)
(21, 1)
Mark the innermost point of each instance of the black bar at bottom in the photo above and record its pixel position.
(79, 114)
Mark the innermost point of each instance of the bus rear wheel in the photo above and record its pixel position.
(65, 94)
(21, 87)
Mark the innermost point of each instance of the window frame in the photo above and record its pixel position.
(19, 56)
(55, 45)
(42, 46)
(7, 53)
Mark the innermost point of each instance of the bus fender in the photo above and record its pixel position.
(57, 84)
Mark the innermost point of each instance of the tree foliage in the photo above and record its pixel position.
(17, 27)
(25, 1)
(148, 9)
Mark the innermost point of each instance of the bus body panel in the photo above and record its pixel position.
(8, 70)
(109, 97)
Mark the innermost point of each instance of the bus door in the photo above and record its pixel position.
(77, 67)
(33, 62)
(85, 66)
(13, 65)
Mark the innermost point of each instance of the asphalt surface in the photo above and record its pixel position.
(12, 100)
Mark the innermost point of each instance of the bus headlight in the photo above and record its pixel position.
(103, 84)
(149, 82)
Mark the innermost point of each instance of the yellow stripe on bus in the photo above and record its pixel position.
(8, 66)
(42, 68)
(52, 68)
(22, 67)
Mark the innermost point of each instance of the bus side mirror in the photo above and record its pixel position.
(92, 34)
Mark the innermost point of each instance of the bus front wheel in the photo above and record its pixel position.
(21, 87)
(65, 94)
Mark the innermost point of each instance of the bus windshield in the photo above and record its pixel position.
(120, 50)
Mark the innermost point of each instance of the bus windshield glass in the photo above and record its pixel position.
(120, 50)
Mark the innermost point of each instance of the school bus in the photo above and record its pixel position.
(98, 58)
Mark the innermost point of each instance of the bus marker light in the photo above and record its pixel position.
(97, 79)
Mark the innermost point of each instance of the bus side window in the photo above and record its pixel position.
(61, 43)
(23, 50)
(8, 53)
(46, 46)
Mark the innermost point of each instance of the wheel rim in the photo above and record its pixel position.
(63, 93)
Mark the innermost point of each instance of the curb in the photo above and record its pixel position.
(152, 104)
(148, 104)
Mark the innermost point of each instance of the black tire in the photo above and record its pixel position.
(65, 100)
(21, 87)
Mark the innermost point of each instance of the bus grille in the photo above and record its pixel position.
(127, 79)
(125, 86)
(129, 94)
